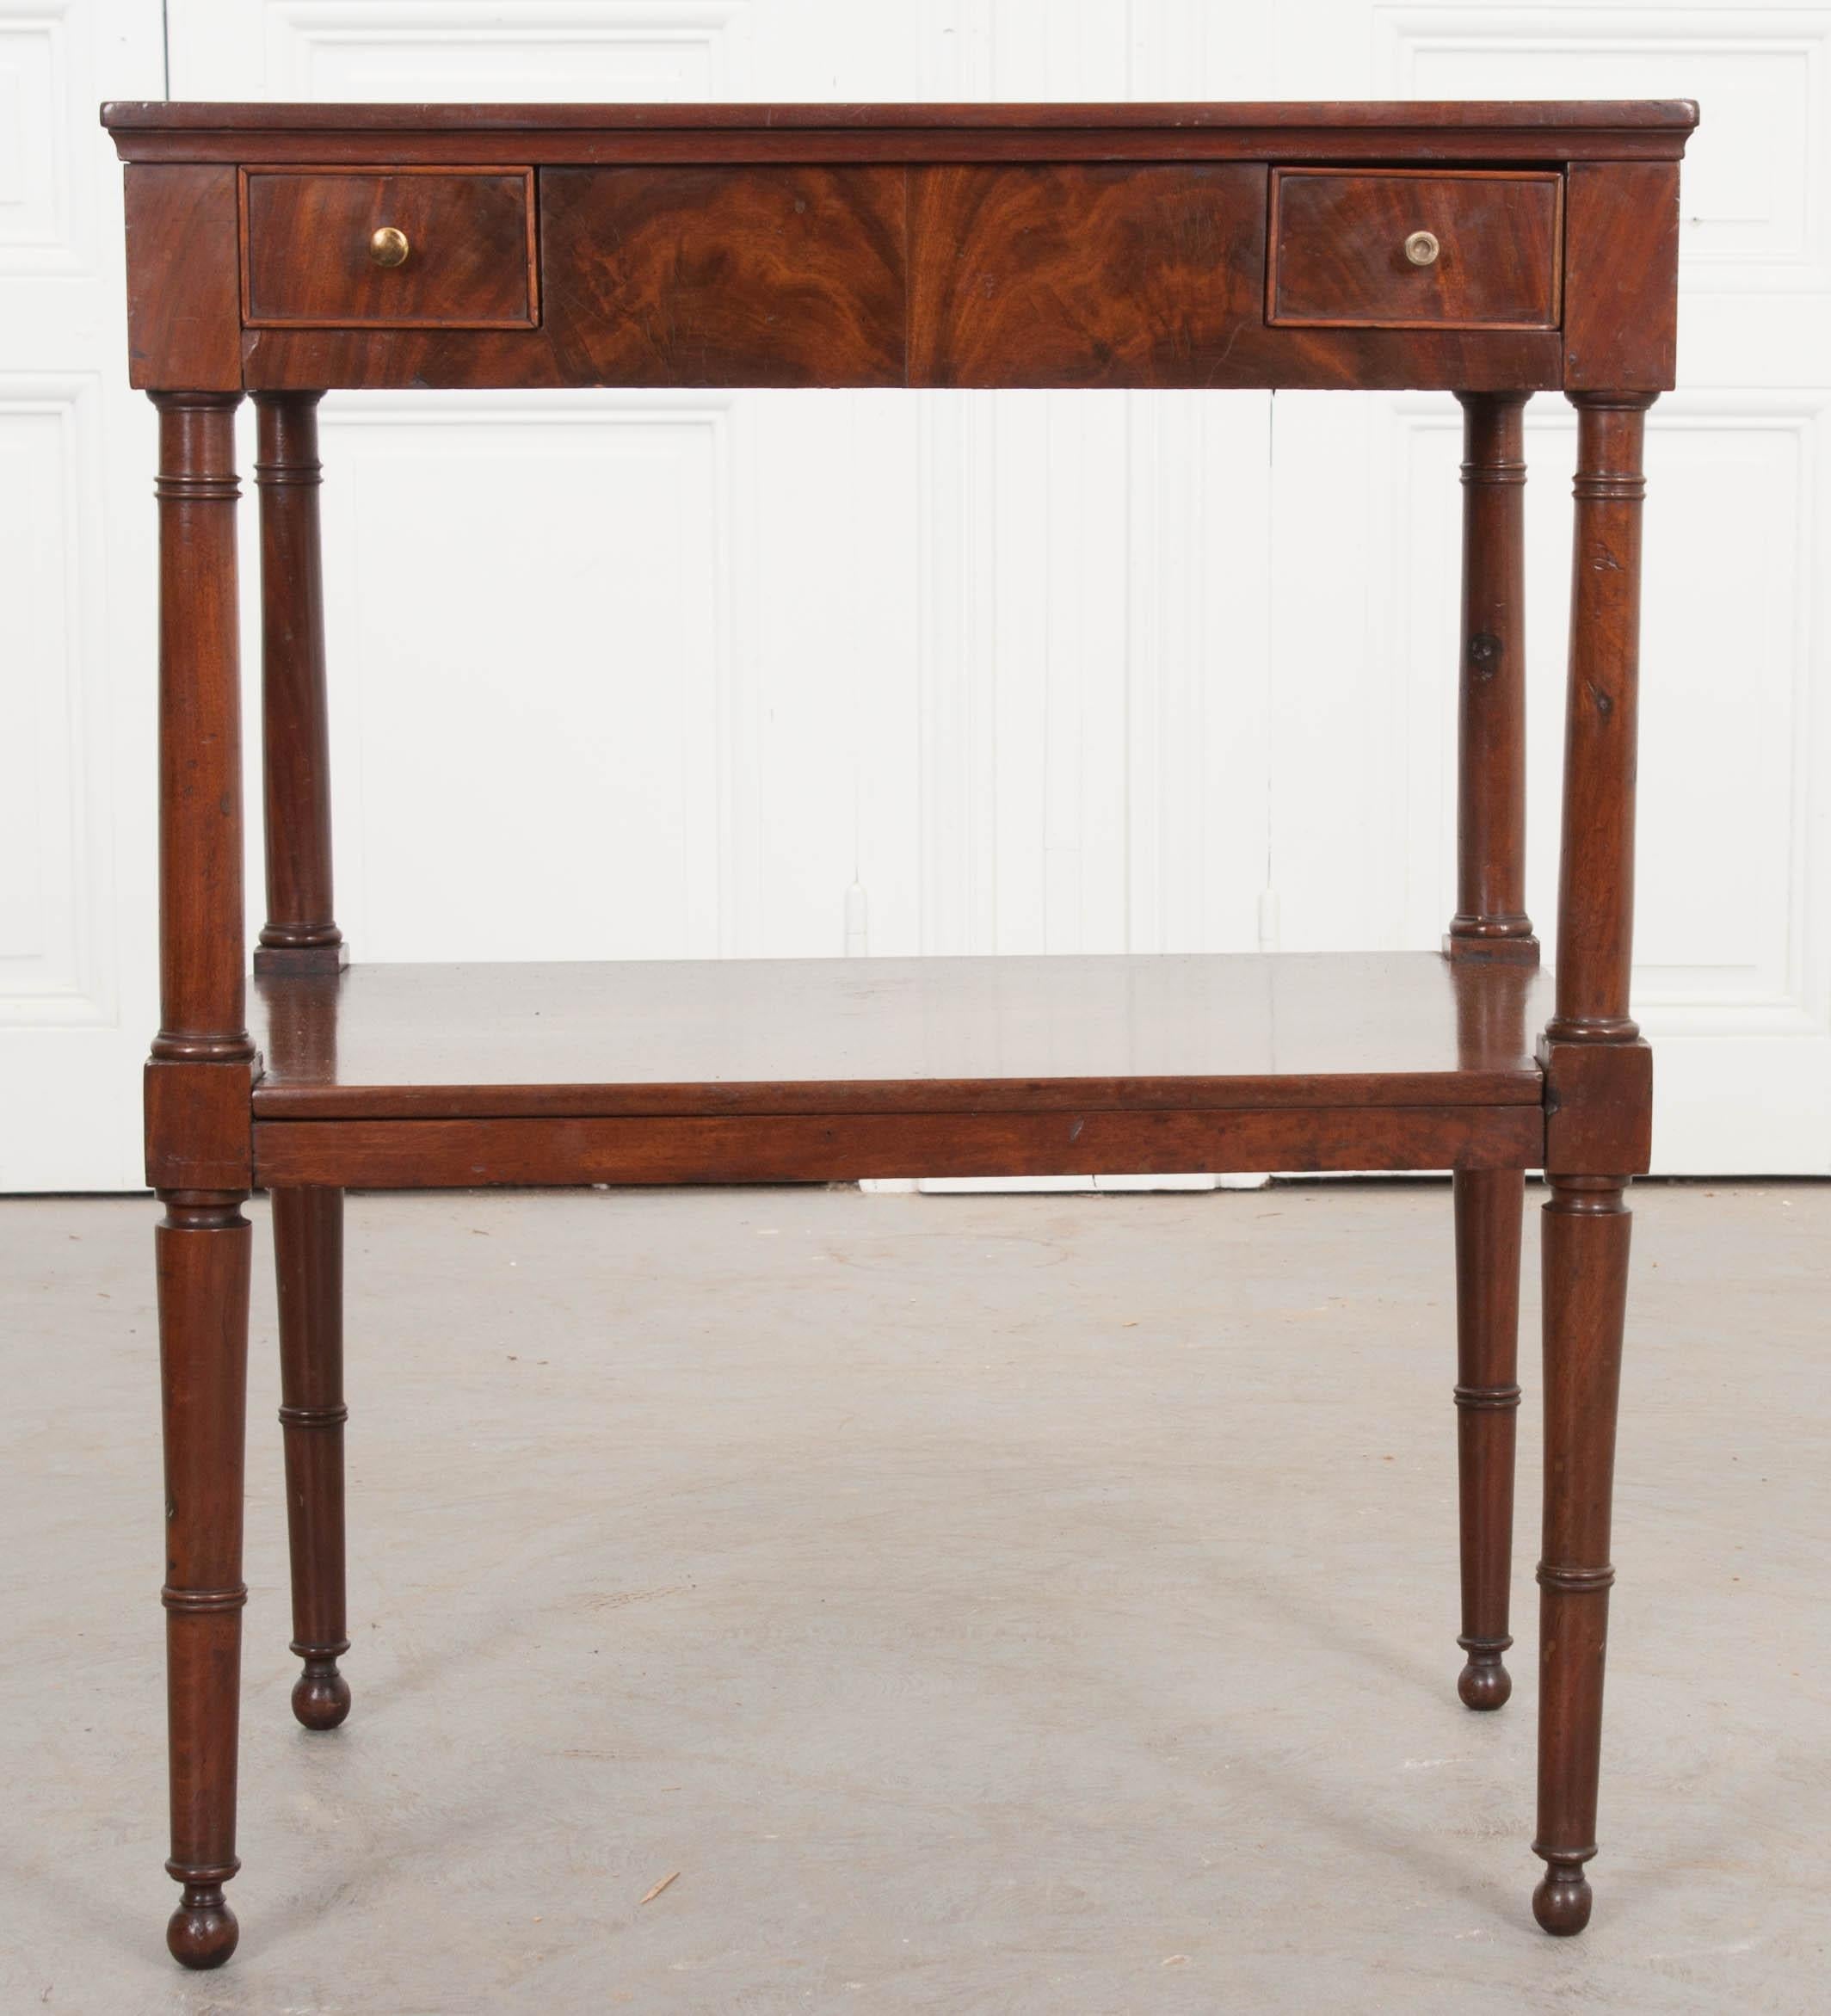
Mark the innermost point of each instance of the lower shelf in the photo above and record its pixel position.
(835, 1070)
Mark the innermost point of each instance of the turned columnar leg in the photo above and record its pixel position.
(300, 934)
(1585, 1223)
(203, 1254)
(308, 1255)
(1488, 1207)
(198, 1085)
(1490, 925)
(301, 937)
(1585, 1247)
(1490, 920)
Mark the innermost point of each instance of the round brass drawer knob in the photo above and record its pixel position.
(389, 247)
(1421, 248)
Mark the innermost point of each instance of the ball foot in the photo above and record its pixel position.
(1562, 1902)
(320, 1695)
(202, 1932)
(1484, 1683)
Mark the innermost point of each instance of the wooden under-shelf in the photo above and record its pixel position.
(831, 1069)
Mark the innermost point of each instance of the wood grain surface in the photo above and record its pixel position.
(721, 276)
(1508, 131)
(1621, 282)
(470, 262)
(885, 246)
(801, 1148)
(1490, 920)
(1053, 276)
(941, 1035)
(1338, 250)
(301, 931)
(1595, 883)
(1076, 275)
(1293, 359)
(183, 306)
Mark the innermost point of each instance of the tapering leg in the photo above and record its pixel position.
(1489, 1204)
(1490, 929)
(1597, 1094)
(301, 937)
(1585, 1271)
(202, 1246)
(308, 1259)
(197, 1150)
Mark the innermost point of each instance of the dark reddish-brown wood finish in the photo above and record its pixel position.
(202, 1248)
(1490, 921)
(183, 307)
(1488, 1206)
(202, 996)
(471, 258)
(308, 1265)
(1295, 359)
(203, 1061)
(1080, 275)
(1133, 1032)
(1396, 130)
(419, 1155)
(933, 245)
(202, 1055)
(1599, 1107)
(1490, 929)
(1586, 1222)
(1049, 246)
(1595, 885)
(1338, 249)
(300, 934)
(713, 276)
(1621, 276)
(1584, 1249)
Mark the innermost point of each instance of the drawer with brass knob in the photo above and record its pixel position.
(1414, 249)
(329, 248)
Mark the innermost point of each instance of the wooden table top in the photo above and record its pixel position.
(1514, 129)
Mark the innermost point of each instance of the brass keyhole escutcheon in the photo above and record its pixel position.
(389, 246)
(1422, 249)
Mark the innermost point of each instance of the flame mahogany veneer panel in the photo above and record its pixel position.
(1059, 275)
(725, 276)
(1086, 275)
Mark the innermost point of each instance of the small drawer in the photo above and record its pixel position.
(1414, 249)
(329, 248)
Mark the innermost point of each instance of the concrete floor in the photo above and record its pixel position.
(1000, 1604)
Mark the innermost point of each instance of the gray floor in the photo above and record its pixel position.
(1027, 1604)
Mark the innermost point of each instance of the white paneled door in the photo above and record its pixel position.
(76, 893)
(861, 672)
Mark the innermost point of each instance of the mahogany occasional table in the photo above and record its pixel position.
(1490, 250)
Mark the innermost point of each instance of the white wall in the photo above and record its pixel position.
(1016, 672)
